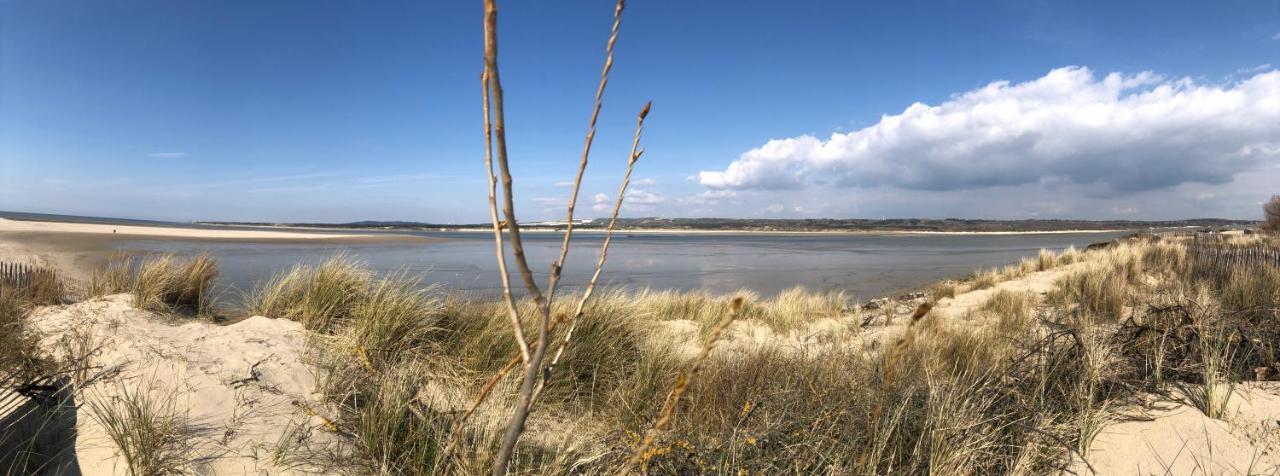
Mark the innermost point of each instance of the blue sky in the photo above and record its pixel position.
(343, 110)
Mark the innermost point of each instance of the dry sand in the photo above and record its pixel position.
(240, 391)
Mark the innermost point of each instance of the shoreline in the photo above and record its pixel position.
(679, 231)
(134, 232)
(77, 248)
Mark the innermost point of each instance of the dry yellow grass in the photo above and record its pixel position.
(1039, 381)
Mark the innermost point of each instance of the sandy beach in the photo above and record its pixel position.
(77, 247)
(679, 231)
(8, 226)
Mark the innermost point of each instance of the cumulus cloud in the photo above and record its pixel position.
(167, 155)
(1114, 135)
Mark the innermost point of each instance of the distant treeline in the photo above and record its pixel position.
(815, 224)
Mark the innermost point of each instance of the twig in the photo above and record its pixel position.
(533, 364)
(499, 250)
(253, 374)
(494, 90)
(636, 152)
(558, 265)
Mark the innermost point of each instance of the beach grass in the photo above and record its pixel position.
(162, 283)
(1027, 389)
(147, 428)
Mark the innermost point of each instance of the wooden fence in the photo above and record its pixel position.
(20, 275)
(1226, 258)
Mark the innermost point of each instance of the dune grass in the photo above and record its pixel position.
(1027, 393)
(21, 357)
(1012, 309)
(161, 283)
(318, 296)
(147, 429)
(997, 399)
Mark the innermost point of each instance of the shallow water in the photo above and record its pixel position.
(865, 265)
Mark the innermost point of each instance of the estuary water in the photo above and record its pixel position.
(865, 265)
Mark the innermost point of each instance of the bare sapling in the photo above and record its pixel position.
(532, 355)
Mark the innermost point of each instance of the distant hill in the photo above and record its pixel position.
(812, 224)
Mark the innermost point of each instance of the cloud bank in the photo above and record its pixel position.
(1115, 135)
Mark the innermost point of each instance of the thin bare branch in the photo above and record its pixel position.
(558, 265)
(533, 365)
(494, 90)
(499, 249)
(632, 158)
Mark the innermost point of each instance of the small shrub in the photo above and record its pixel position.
(1271, 215)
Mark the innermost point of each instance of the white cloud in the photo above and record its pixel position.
(1276, 37)
(601, 203)
(1256, 69)
(1116, 135)
(564, 184)
(636, 196)
(167, 155)
(636, 200)
(709, 197)
(644, 182)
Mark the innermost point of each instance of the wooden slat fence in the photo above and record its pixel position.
(20, 275)
(1226, 258)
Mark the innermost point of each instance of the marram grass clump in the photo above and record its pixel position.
(321, 297)
(160, 283)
